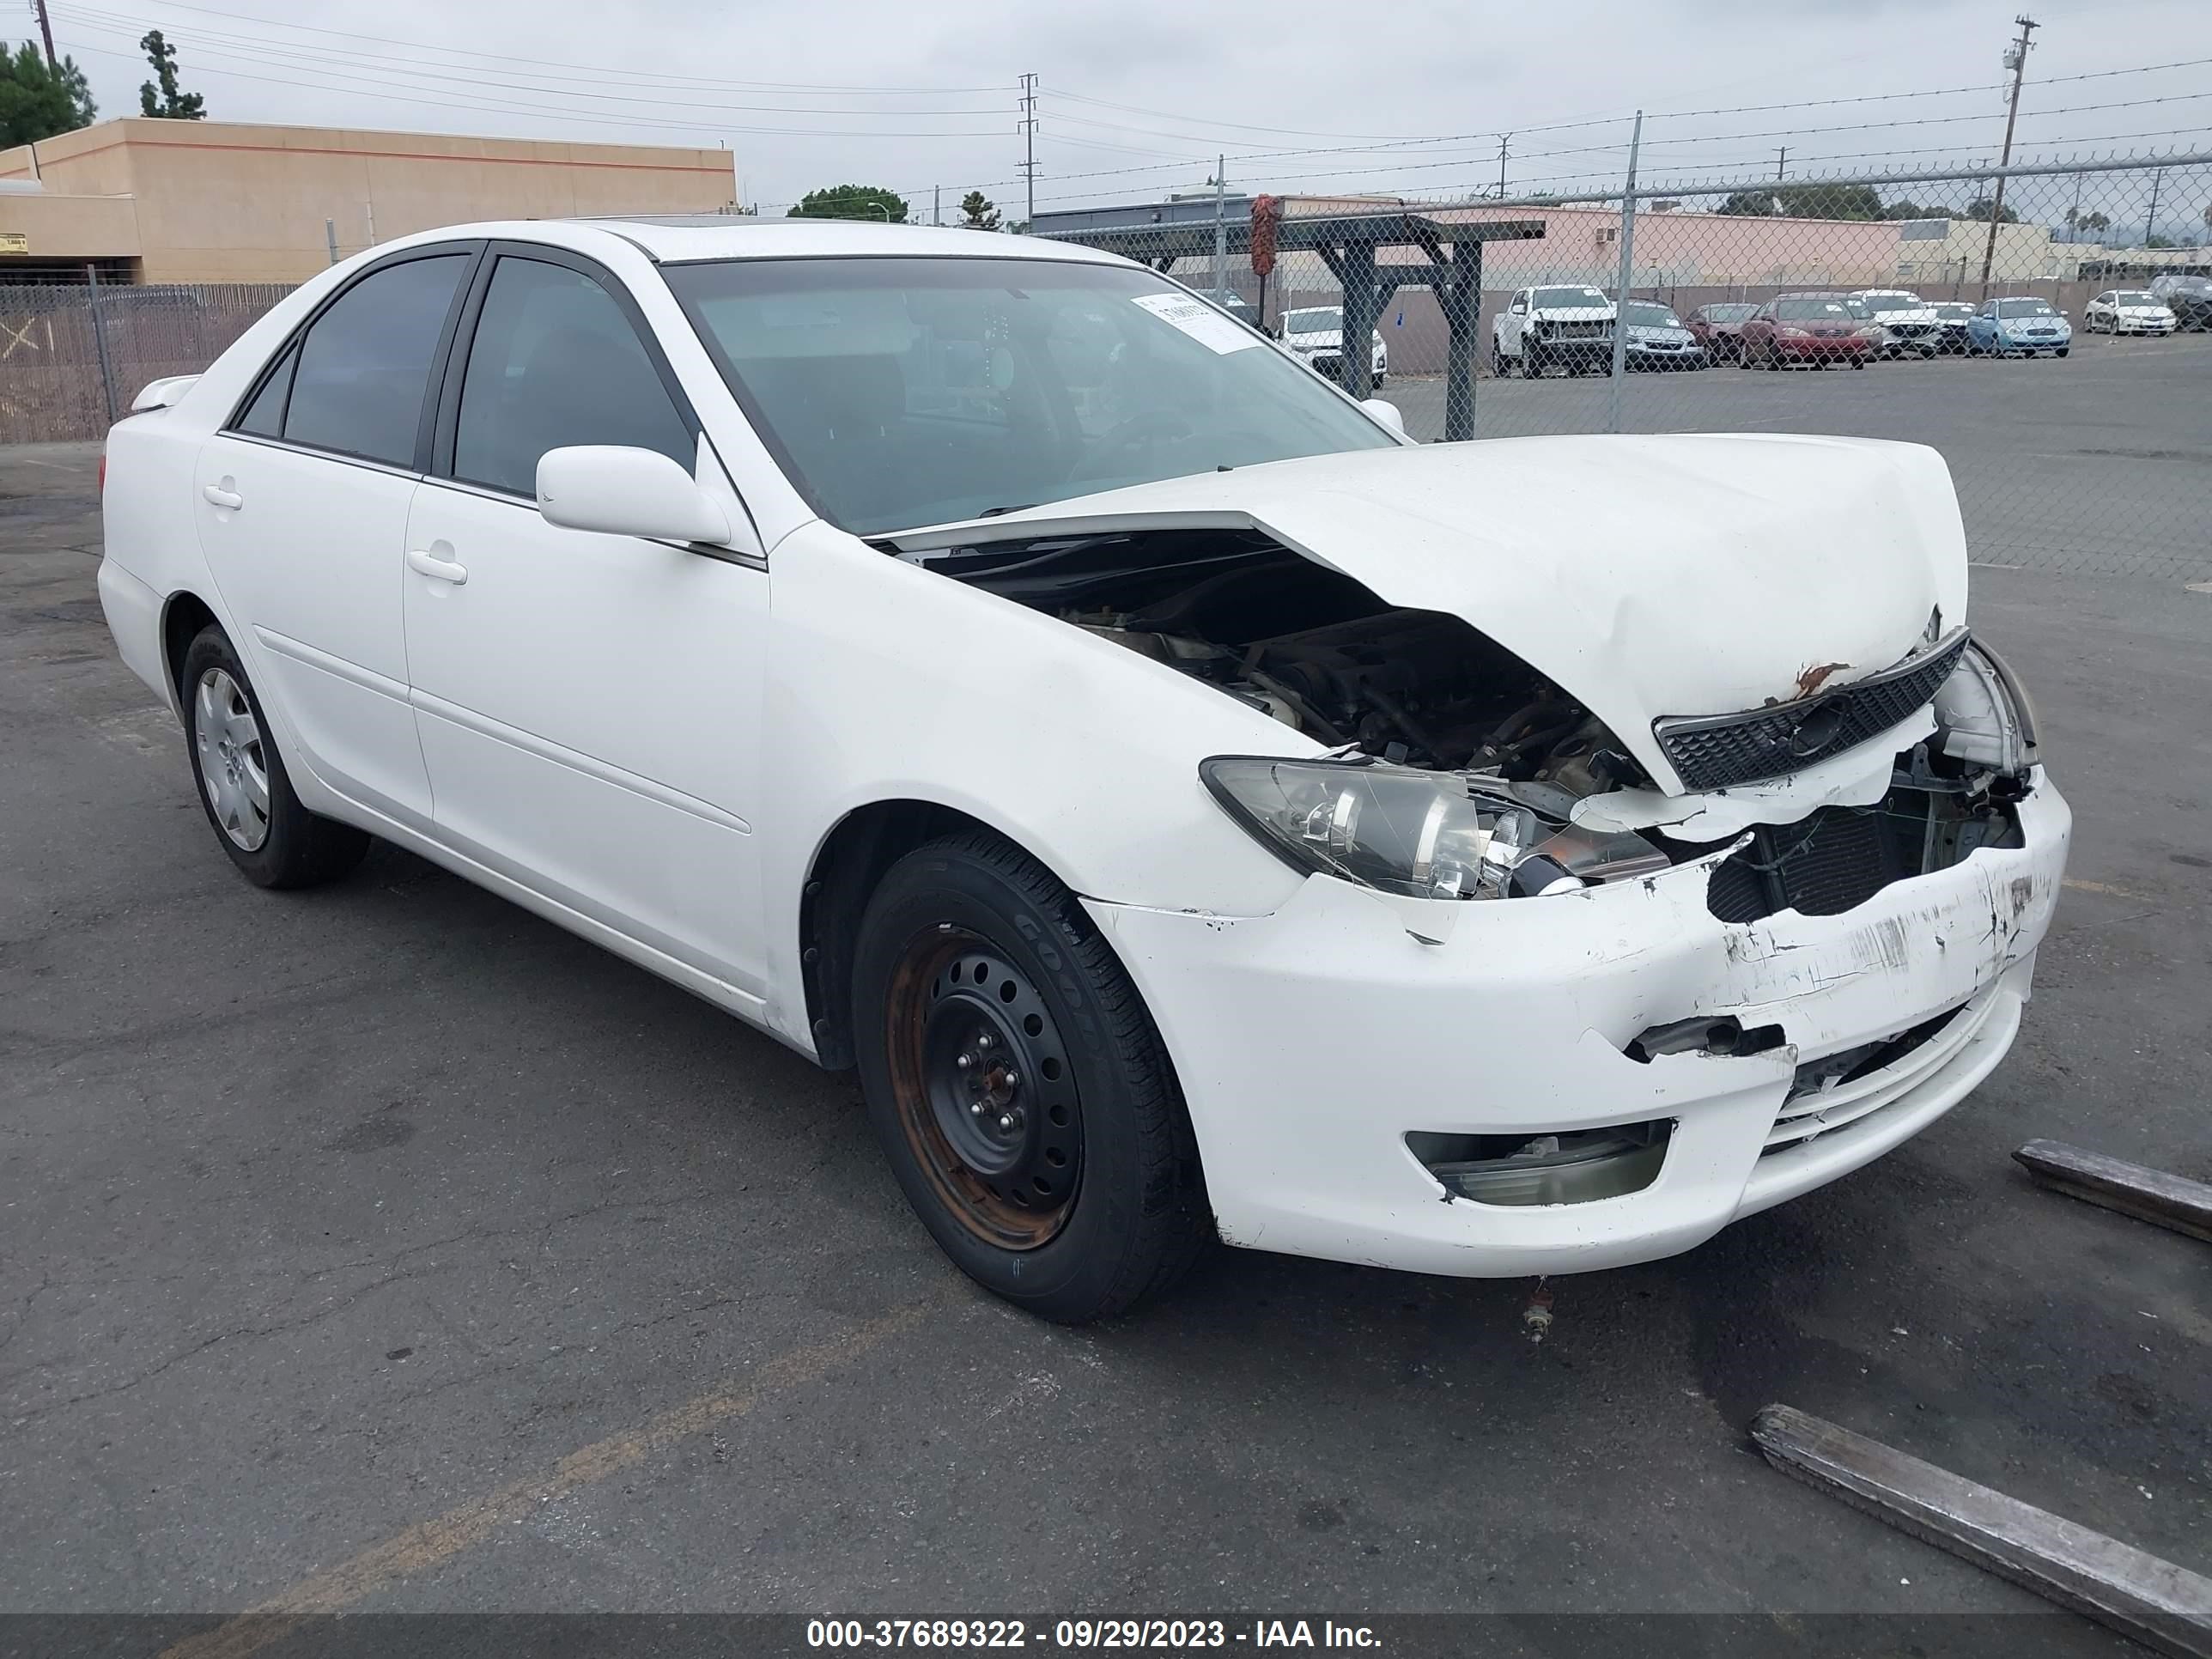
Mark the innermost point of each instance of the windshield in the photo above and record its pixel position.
(2025, 308)
(1878, 303)
(899, 392)
(1727, 313)
(1800, 311)
(1953, 309)
(1652, 316)
(2190, 284)
(1326, 319)
(2132, 299)
(1567, 299)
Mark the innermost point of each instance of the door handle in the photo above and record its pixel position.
(438, 569)
(218, 496)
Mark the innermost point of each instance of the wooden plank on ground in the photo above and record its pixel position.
(2153, 1195)
(2156, 1602)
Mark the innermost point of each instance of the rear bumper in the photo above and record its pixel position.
(1311, 1041)
(134, 616)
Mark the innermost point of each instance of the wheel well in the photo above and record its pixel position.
(180, 625)
(855, 858)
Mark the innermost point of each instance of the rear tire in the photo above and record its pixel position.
(1056, 1166)
(244, 788)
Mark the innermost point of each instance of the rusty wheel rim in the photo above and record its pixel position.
(984, 1090)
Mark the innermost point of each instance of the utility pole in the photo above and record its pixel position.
(1781, 157)
(45, 31)
(1220, 183)
(1504, 139)
(1620, 288)
(2150, 224)
(937, 204)
(2016, 61)
(1029, 144)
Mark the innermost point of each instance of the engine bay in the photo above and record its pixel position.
(1422, 690)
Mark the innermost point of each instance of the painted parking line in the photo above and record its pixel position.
(429, 1543)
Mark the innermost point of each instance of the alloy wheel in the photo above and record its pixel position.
(233, 765)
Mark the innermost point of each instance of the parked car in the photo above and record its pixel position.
(1908, 323)
(1315, 335)
(1952, 317)
(1718, 327)
(1568, 327)
(1812, 328)
(2020, 326)
(1373, 854)
(2127, 310)
(2189, 297)
(1657, 338)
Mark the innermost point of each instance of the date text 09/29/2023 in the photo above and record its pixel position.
(1122, 1634)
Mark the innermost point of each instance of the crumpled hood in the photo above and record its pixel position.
(1686, 575)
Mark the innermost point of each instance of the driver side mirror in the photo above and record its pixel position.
(621, 491)
(1382, 410)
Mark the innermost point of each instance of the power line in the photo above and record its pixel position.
(591, 70)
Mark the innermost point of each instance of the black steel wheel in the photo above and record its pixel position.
(1018, 1087)
(986, 1096)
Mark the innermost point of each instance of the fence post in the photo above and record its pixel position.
(331, 235)
(1620, 287)
(99, 342)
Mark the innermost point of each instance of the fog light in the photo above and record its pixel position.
(1578, 1166)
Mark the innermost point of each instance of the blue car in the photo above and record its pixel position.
(2021, 327)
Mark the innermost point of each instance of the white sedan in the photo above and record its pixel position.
(1195, 812)
(2127, 310)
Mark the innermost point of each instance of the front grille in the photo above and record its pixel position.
(1574, 330)
(1718, 751)
(1840, 1090)
(1911, 330)
(1834, 861)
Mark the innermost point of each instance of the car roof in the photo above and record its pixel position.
(677, 238)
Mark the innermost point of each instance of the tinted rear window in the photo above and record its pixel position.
(365, 364)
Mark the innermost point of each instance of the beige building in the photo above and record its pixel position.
(223, 202)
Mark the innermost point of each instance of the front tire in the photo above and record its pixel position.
(1018, 1086)
(243, 786)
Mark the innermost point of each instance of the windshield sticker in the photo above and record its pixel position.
(1199, 320)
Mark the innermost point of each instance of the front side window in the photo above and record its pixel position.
(899, 392)
(365, 363)
(553, 362)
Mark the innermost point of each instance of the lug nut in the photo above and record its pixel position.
(1004, 1122)
(975, 1106)
(964, 1061)
(1013, 1079)
(984, 1041)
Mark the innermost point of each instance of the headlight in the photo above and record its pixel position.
(1423, 835)
(1983, 715)
(1873, 332)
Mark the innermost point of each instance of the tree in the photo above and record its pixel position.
(1980, 208)
(1910, 210)
(169, 105)
(852, 201)
(977, 212)
(2077, 221)
(1808, 201)
(37, 102)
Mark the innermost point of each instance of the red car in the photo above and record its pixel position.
(1719, 328)
(1817, 329)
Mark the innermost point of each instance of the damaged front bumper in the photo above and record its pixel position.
(1312, 1044)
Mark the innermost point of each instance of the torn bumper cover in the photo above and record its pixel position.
(1312, 1044)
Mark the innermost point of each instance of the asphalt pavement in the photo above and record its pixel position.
(386, 1247)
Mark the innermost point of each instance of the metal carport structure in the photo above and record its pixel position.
(1347, 244)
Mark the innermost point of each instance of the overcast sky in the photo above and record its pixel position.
(1137, 96)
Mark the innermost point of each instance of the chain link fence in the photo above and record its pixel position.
(2048, 329)
(72, 356)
